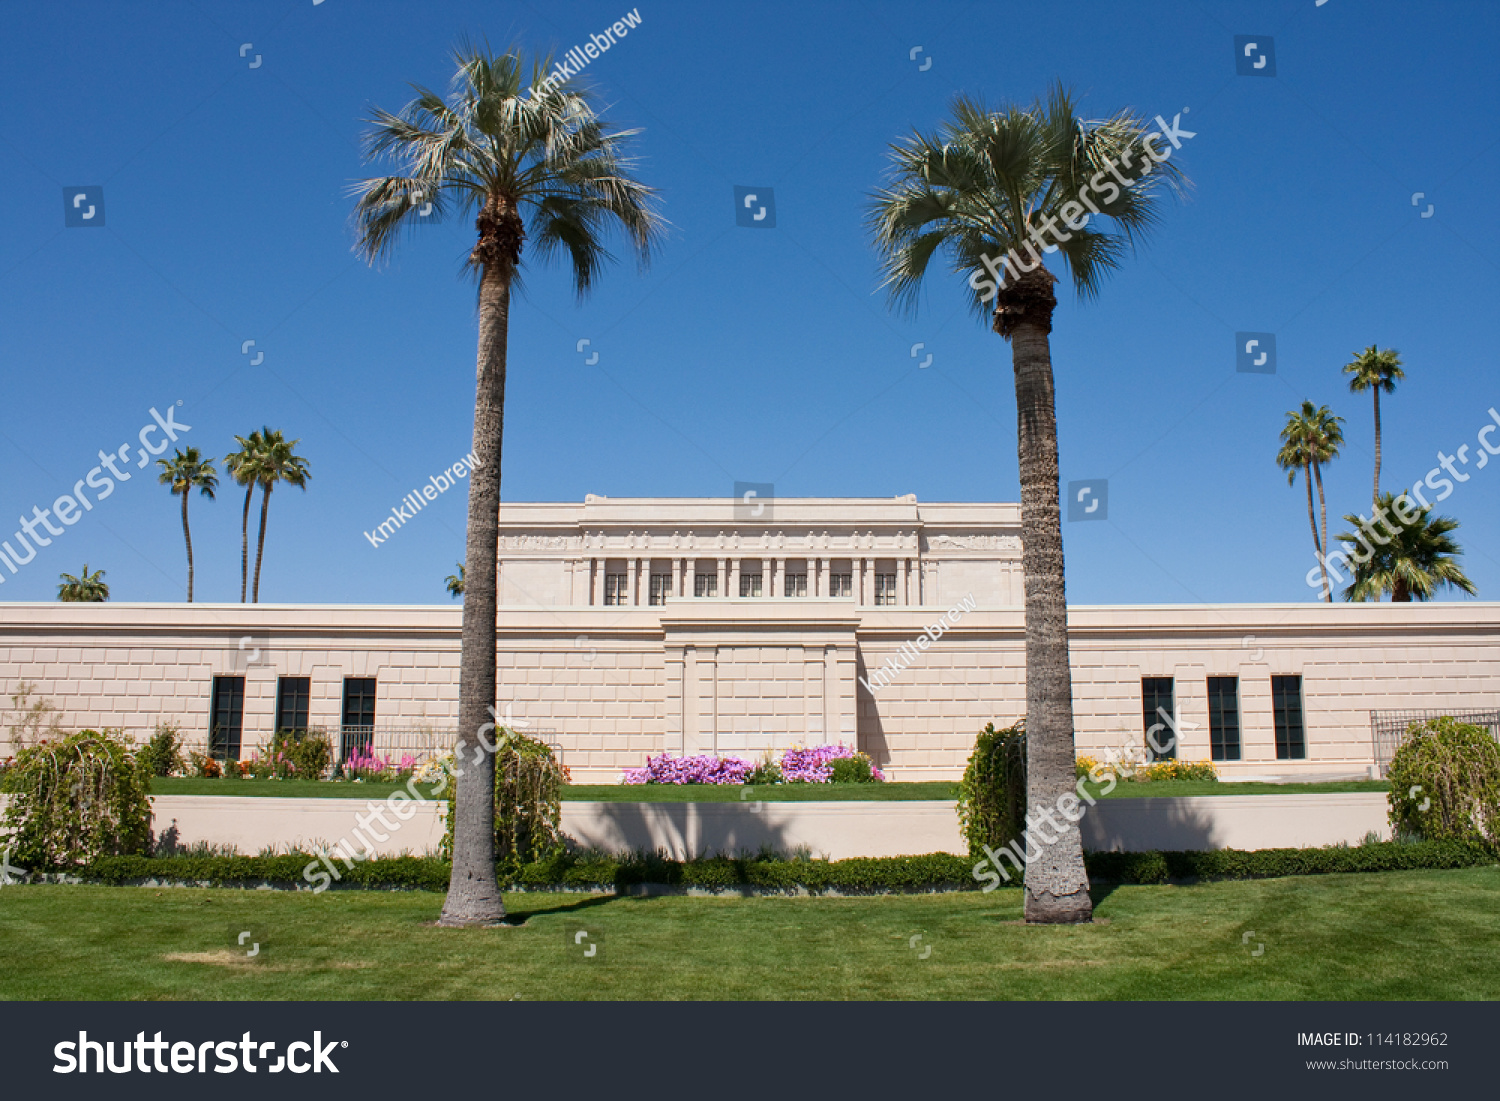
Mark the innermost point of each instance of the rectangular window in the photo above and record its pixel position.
(1286, 709)
(885, 588)
(226, 717)
(1224, 718)
(796, 584)
(661, 585)
(1157, 706)
(615, 588)
(293, 699)
(705, 584)
(841, 584)
(749, 584)
(359, 715)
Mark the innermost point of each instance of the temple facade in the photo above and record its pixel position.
(633, 627)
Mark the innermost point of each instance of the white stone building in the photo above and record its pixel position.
(630, 627)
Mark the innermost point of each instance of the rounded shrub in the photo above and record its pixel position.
(162, 753)
(858, 769)
(74, 800)
(1445, 783)
(992, 794)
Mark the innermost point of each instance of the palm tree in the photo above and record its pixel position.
(975, 191)
(184, 472)
(508, 147)
(1416, 556)
(277, 463)
(85, 588)
(455, 582)
(244, 465)
(1375, 371)
(1311, 437)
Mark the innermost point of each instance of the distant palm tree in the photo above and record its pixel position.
(1375, 371)
(985, 188)
(1411, 559)
(86, 588)
(455, 582)
(1312, 437)
(502, 144)
(245, 466)
(278, 463)
(184, 472)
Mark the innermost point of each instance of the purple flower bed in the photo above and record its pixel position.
(705, 769)
(798, 766)
(811, 766)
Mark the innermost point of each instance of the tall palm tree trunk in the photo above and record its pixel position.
(1312, 520)
(473, 891)
(260, 540)
(1057, 886)
(245, 543)
(1323, 543)
(187, 537)
(1375, 498)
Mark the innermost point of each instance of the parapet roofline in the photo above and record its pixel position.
(770, 512)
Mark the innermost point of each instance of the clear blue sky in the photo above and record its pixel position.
(743, 354)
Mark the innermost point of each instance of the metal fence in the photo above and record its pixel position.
(1388, 728)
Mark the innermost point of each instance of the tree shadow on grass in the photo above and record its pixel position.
(586, 903)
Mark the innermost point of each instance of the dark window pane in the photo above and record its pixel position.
(226, 718)
(1286, 708)
(359, 715)
(1224, 718)
(293, 701)
(1156, 705)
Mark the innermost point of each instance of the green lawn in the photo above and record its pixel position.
(1397, 935)
(716, 793)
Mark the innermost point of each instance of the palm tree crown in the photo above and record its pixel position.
(1414, 556)
(455, 582)
(85, 588)
(990, 184)
(184, 472)
(511, 149)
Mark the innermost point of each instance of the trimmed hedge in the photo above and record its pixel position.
(933, 872)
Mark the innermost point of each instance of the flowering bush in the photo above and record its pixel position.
(704, 769)
(362, 764)
(1175, 770)
(813, 765)
(1147, 771)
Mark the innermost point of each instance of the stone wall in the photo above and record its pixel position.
(611, 685)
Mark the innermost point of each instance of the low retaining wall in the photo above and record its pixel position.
(834, 829)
